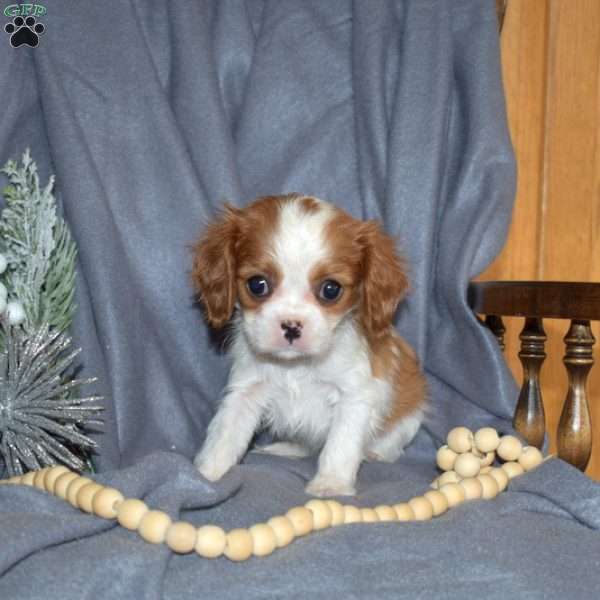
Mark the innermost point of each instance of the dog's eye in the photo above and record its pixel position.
(258, 286)
(330, 290)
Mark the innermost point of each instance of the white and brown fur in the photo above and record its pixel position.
(348, 387)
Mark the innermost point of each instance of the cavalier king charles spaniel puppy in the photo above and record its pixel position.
(311, 293)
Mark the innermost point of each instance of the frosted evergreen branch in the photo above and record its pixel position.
(38, 247)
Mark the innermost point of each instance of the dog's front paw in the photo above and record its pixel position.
(210, 468)
(325, 486)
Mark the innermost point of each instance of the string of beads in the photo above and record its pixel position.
(467, 461)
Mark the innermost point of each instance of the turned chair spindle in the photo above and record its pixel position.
(529, 419)
(574, 438)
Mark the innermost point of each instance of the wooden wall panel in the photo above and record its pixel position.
(551, 70)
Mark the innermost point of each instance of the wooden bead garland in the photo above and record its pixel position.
(263, 539)
(369, 515)
(404, 512)
(239, 545)
(283, 529)
(467, 461)
(211, 541)
(130, 513)
(181, 537)
(61, 484)
(154, 525)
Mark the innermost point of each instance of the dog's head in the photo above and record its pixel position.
(296, 267)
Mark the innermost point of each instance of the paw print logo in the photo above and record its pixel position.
(24, 31)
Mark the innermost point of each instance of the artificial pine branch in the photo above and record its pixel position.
(43, 418)
(38, 248)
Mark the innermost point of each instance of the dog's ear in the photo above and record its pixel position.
(214, 267)
(384, 280)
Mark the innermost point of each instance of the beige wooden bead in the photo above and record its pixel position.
(404, 511)
(322, 514)
(473, 488)
(352, 514)
(74, 488)
(130, 513)
(530, 458)
(439, 502)
(454, 493)
(39, 479)
(490, 487)
(509, 448)
(422, 508)
(513, 469)
(181, 537)
(386, 513)
(302, 520)
(467, 465)
(445, 458)
(485, 470)
(106, 502)
(486, 439)
(53, 474)
(86, 494)
(61, 485)
(14, 480)
(369, 515)
(239, 545)
(448, 477)
(337, 512)
(28, 478)
(501, 478)
(487, 459)
(435, 484)
(263, 539)
(153, 526)
(210, 541)
(283, 529)
(460, 439)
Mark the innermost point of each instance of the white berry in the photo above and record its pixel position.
(15, 313)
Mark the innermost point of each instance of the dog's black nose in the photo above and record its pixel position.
(293, 330)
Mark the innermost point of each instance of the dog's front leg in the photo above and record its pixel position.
(229, 434)
(343, 451)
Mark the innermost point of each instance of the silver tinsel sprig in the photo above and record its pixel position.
(42, 418)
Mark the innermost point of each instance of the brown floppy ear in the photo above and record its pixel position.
(213, 270)
(384, 280)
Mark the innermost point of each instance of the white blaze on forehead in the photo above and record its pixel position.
(299, 241)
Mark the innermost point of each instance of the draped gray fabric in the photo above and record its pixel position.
(150, 114)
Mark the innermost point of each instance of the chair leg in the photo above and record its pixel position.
(529, 419)
(574, 437)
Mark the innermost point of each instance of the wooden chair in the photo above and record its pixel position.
(536, 300)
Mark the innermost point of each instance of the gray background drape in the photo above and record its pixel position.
(150, 114)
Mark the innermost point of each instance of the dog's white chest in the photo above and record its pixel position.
(299, 406)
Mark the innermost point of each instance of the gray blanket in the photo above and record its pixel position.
(150, 113)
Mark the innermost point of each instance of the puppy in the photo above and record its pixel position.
(316, 361)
